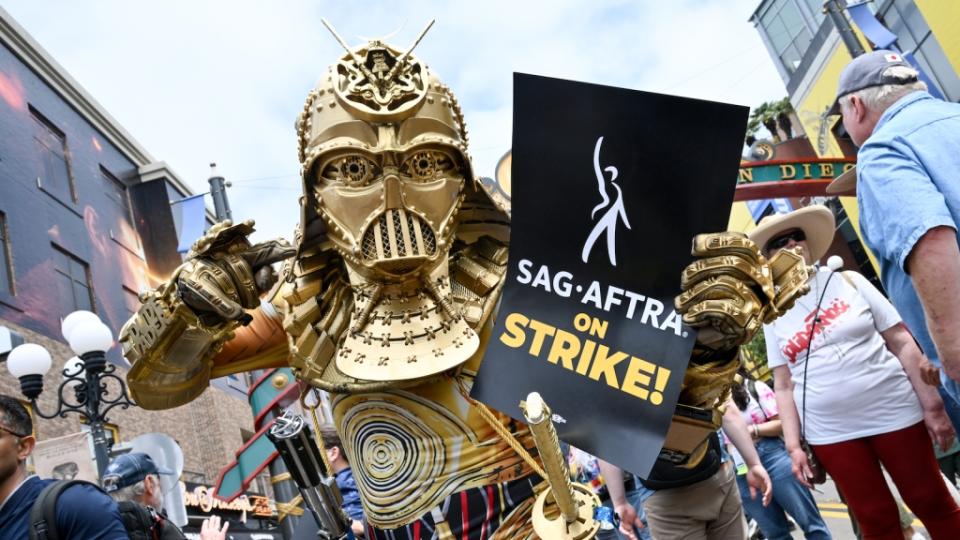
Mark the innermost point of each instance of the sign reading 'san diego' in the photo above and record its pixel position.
(609, 186)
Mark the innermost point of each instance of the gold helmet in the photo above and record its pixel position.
(383, 154)
(382, 147)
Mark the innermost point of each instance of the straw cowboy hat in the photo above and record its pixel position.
(816, 222)
(845, 184)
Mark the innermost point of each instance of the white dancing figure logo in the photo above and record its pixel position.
(615, 210)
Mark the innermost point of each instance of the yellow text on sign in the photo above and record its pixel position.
(585, 356)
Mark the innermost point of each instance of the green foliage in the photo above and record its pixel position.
(768, 114)
(754, 354)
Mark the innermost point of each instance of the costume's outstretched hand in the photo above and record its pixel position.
(224, 274)
(732, 289)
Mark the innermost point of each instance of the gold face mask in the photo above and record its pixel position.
(391, 220)
(383, 151)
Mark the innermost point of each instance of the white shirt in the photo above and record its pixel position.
(857, 386)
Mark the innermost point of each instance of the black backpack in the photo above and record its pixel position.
(140, 522)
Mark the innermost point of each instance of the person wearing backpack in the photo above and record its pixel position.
(133, 480)
(79, 509)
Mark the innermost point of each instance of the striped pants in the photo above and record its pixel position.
(493, 512)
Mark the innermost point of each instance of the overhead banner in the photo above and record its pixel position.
(65, 458)
(609, 187)
(193, 221)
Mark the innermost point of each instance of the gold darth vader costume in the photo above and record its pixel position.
(387, 298)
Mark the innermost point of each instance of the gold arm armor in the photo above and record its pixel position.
(183, 323)
(728, 293)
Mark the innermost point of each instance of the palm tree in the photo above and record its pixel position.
(784, 109)
(771, 114)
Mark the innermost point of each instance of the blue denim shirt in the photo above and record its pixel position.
(908, 174)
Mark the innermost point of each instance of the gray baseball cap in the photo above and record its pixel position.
(869, 70)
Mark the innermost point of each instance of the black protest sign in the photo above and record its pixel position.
(609, 187)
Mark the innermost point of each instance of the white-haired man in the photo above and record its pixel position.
(909, 196)
(133, 480)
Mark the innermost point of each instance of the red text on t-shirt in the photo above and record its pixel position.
(813, 327)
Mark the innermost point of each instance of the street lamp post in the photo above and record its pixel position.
(84, 389)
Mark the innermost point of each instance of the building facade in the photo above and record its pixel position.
(86, 223)
(810, 46)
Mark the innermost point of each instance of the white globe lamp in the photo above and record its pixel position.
(90, 340)
(29, 362)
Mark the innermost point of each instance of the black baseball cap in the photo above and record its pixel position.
(868, 70)
(128, 469)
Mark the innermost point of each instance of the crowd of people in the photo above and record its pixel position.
(865, 388)
(129, 504)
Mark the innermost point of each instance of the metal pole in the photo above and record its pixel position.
(218, 192)
(101, 447)
(835, 9)
(284, 490)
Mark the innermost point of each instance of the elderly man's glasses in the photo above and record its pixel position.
(781, 241)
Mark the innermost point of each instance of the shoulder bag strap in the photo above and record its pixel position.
(806, 361)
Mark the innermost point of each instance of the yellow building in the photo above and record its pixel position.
(809, 51)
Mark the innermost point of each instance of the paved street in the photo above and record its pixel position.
(835, 514)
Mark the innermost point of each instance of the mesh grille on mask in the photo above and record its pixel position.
(398, 234)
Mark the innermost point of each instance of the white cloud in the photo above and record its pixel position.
(222, 81)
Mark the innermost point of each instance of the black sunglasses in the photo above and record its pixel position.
(781, 241)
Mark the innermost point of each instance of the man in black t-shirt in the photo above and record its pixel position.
(703, 501)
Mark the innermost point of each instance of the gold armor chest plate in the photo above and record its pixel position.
(411, 442)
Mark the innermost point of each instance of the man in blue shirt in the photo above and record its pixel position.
(908, 192)
(83, 511)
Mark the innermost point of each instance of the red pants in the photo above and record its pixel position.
(907, 455)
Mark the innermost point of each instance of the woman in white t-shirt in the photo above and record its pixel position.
(847, 368)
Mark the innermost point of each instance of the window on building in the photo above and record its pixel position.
(815, 10)
(238, 382)
(6, 269)
(131, 301)
(116, 191)
(54, 174)
(74, 277)
(913, 35)
(194, 477)
(787, 32)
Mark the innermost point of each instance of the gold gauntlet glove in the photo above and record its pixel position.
(184, 322)
(728, 293)
(733, 289)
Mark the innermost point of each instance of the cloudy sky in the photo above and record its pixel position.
(200, 81)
